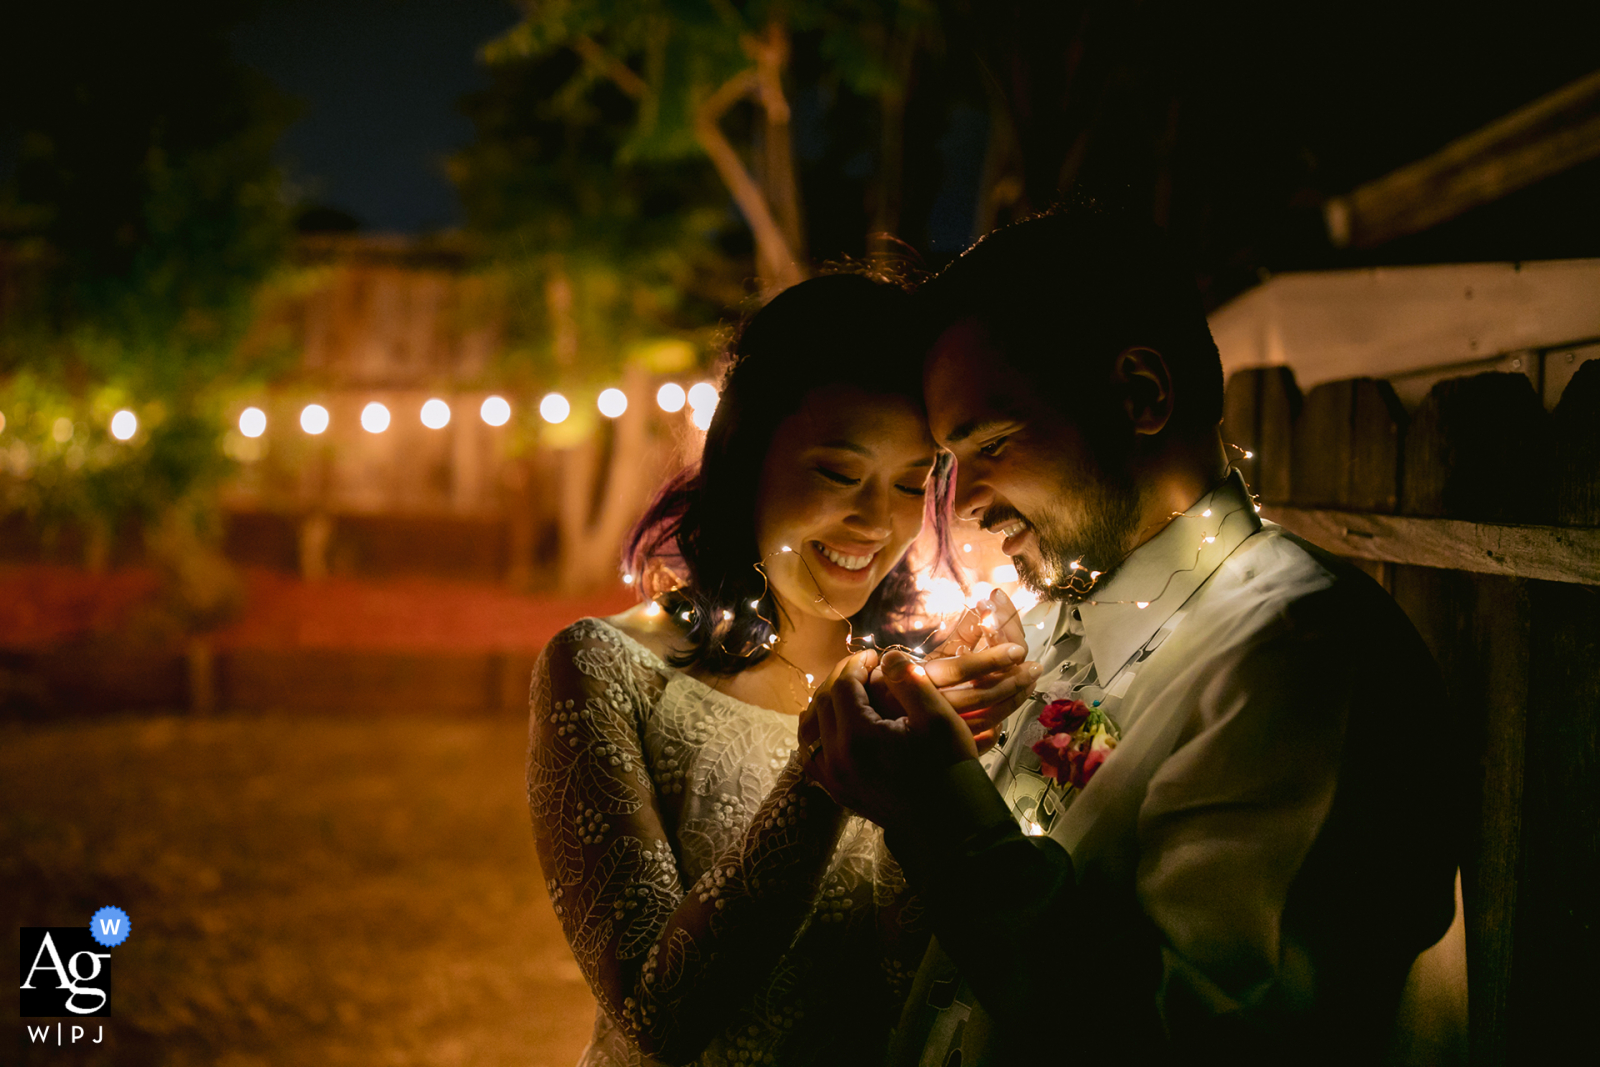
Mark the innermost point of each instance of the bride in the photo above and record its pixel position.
(722, 907)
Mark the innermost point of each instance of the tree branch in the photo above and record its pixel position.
(775, 260)
(621, 75)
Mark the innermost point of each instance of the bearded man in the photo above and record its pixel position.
(1223, 828)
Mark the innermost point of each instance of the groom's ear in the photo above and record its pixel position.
(1141, 378)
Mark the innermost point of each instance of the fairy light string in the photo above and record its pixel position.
(1075, 586)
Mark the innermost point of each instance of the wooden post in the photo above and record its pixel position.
(1473, 451)
(1553, 983)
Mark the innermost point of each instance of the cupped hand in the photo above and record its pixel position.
(980, 668)
(873, 764)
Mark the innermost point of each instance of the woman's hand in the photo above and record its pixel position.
(979, 668)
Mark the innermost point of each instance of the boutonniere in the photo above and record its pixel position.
(1077, 740)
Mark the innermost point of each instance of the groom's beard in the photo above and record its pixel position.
(1095, 534)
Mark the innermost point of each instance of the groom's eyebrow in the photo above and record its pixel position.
(974, 427)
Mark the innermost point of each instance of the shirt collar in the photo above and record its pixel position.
(1163, 573)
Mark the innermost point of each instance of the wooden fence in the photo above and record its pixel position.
(1480, 512)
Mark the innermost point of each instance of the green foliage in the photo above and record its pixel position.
(143, 215)
(548, 188)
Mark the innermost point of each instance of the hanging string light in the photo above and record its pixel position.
(612, 402)
(313, 419)
(496, 411)
(374, 418)
(435, 414)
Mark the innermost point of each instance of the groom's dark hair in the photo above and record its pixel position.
(1062, 294)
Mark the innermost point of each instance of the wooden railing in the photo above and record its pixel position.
(1480, 512)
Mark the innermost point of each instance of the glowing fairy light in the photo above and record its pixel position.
(1031, 828)
(1141, 604)
(612, 402)
(627, 579)
(1249, 455)
(252, 422)
(785, 548)
(1093, 575)
(1006, 572)
(652, 609)
(374, 418)
(1206, 514)
(124, 424)
(811, 679)
(966, 548)
(313, 419)
(435, 414)
(755, 605)
(920, 671)
(554, 408)
(940, 596)
(496, 411)
(686, 616)
(867, 639)
(1039, 625)
(1076, 565)
(727, 616)
(671, 397)
(1211, 540)
(1258, 509)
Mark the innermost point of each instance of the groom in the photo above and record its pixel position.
(1222, 828)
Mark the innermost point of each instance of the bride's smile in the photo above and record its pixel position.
(843, 489)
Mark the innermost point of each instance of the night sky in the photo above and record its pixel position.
(378, 81)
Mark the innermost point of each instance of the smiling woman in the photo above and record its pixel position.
(719, 904)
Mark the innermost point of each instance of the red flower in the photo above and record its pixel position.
(1058, 759)
(1063, 715)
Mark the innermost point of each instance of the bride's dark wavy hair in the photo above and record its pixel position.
(837, 329)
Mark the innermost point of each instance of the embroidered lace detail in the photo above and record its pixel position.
(722, 908)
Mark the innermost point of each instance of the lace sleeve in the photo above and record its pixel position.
(668, 964)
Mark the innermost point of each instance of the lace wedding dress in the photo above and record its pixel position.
(723, 909)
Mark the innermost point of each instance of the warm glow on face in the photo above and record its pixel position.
(436, 414)
(124, 424)
(612, 402)
(495, 411)
(374, 418)
(554, 408)
(313, 418)
(252, 422)
(671, 397)
(1006, 572)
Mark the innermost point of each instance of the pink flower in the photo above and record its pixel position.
(1058, 759)
(1063, 715)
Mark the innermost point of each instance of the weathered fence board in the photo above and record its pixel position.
(1485, 510)
(1260, 408)
(1554, 553)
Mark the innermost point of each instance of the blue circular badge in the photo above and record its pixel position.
(110, 927)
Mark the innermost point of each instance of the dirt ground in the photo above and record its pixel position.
(302, 891)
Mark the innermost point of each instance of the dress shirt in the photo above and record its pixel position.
(1254, 866)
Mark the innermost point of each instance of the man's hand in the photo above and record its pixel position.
(978, 667)
(876, 765)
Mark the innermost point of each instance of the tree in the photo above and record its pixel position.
(687, 63)
(142, 218)
(609, 272)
